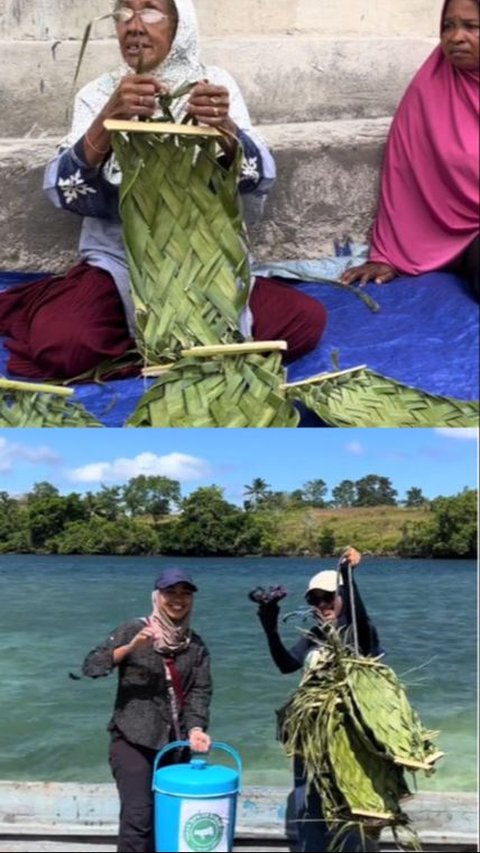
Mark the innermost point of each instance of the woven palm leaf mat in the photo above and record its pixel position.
(185, 242)
(426, 335)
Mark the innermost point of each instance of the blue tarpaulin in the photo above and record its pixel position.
(426, 334)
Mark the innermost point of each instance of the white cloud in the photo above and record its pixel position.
(178, 466)
(355, 448)
(461, 433)
(11, 453)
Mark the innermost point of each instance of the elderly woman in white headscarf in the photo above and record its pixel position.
(164, 691)
(65, 326)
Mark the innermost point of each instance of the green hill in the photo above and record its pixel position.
(374, 530)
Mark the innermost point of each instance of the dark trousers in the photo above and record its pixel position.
(312, 830)
(132, 768)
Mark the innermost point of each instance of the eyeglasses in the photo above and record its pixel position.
(124, 14)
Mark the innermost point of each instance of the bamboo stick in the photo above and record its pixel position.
(35, 388)
(321, 377)
(236, 349)
(160, 127)
(156, 369)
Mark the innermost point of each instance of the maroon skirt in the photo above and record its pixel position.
(63, 326)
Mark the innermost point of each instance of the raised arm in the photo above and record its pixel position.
(117, 646)
(368, 639)
(285, 660)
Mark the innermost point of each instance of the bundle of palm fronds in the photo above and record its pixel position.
(24, 404)
(351, 722)
(361, 397)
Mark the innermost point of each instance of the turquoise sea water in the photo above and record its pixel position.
(55, 609)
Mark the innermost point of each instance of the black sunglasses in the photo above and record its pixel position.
(317, 597)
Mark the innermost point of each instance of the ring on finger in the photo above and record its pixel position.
(215, 111)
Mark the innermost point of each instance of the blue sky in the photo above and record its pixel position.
(438, 461)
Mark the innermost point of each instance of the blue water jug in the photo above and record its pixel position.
(195, 803)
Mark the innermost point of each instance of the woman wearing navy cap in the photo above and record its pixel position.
(164, 692)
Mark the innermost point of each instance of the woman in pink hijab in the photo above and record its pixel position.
(428, 212)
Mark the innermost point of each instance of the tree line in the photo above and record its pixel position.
(148, 515)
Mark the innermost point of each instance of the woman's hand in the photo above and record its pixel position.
(379, 273)
(142, 639)
(351, 556)
(199, 740)
(139, 641)
(210, 105)
(135, 95)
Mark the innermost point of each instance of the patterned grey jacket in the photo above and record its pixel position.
(142, 710)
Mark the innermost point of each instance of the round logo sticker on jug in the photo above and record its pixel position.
(204, 832)
(203, 829)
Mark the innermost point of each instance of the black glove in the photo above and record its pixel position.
(268, 608)
(263, 596)
(268, 615)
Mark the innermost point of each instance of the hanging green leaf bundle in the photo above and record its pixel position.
(351, 722)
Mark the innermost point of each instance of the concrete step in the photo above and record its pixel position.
(326, 186)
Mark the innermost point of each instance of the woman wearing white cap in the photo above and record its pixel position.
(164, 691)
(330, 595)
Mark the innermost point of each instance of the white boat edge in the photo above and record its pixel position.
(68, 809)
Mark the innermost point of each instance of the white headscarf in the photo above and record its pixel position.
(181, 65)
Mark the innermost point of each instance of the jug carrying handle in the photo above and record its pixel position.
(216, 744)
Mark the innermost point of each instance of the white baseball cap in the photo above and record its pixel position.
(327, 581)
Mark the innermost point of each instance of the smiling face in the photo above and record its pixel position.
(328, 605)
(460, 34)
(153, 38)
(176, 601)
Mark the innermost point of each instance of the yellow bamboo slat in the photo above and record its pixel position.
(235, 349)
(166, 127)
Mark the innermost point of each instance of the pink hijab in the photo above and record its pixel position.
(428, 210)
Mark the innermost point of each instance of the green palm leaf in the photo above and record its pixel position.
(361, 397)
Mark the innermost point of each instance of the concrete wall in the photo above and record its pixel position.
(296, 60)
(49, 19)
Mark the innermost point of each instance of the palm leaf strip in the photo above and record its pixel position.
(229, 391)
(362, 397)
(24, 405)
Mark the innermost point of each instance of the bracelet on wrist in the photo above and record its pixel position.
(94, 147)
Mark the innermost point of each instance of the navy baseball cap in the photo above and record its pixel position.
(172, 576)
